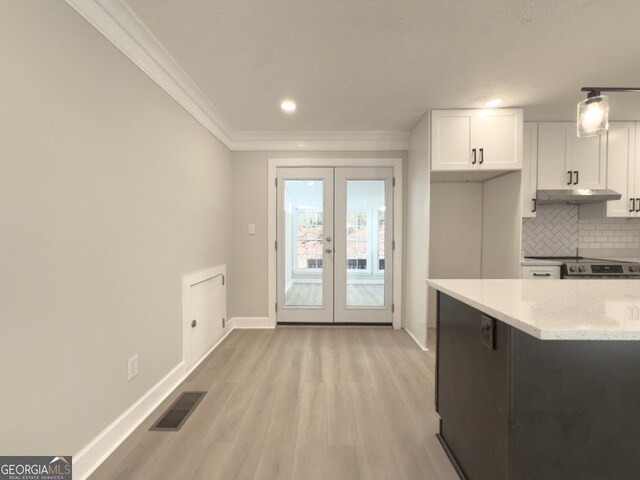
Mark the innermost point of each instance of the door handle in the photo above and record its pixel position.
(328, 239)
(632, 204)
(535, 205)
(577, 177)
(637, 209)
(194, 324)
(570, 177)
(473, 155)
(328, 250)
(481, 156)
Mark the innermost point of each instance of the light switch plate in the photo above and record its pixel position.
(252, 229)
(133, 367)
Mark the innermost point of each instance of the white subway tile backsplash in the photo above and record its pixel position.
(557, 230)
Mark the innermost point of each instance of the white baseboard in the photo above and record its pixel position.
(87, 460)
(98, 449)
(416, 340)
(202, 358)
(251, 322)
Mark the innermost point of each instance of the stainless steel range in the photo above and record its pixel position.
(580, 267)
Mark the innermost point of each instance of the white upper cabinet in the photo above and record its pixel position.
(566, 161)
(476, 140)
(622, 169)
(529, 169)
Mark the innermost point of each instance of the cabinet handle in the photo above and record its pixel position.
(535, 205)
(481, 156)
(541, 274)
(577, 177)
(632, 205)
(637, 209)
(570, 177)
(473, 154)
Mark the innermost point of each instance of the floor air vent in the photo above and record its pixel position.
(177, 414)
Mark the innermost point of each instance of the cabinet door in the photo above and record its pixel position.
(497, 136)
(589, 160)
(529, 169)
(451, 140)
(554, 156)
(635, 173)
(621, 163)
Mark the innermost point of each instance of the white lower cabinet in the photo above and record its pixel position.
(541, 272)
(623, 169)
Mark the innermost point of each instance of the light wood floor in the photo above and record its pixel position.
(299, 403)
(358, 295)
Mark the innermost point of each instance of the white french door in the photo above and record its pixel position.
(334, 245)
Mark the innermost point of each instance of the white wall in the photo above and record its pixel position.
(109, 193)
(417, 212)
(455, 245)
(249, 267)
(502, 227)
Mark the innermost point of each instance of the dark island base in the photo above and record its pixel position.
(518, 408)
(451, 457)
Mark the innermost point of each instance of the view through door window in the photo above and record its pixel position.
(303, 232)
(366, 213)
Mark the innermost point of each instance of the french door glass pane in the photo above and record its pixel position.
(303, 232)
(366, 210)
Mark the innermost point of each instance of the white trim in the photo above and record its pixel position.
(396, 163)
(188, 281)
(241, 323)
(91, 456)
(122, 27)
(415, 339)
(202, 358)
(97, 450)
(354, 140)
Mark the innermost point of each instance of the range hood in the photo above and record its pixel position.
(576, 196)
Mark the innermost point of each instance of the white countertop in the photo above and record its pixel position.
(620, 259)
(555, 309)
(533, 262)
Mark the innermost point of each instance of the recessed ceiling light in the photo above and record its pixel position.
(288, 106)
(493, 103)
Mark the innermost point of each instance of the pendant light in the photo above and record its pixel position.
(593, 112)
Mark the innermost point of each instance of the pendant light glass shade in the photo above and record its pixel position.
(593, 116)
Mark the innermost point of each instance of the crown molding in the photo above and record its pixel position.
(122, 27)
(344, 140)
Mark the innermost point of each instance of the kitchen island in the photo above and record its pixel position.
(539, 380)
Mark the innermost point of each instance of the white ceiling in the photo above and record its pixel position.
(378, 65)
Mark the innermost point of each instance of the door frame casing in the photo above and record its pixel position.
(272, 174)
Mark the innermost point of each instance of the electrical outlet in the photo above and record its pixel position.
(133, 366)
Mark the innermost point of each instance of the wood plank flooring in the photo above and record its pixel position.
(299, 403)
